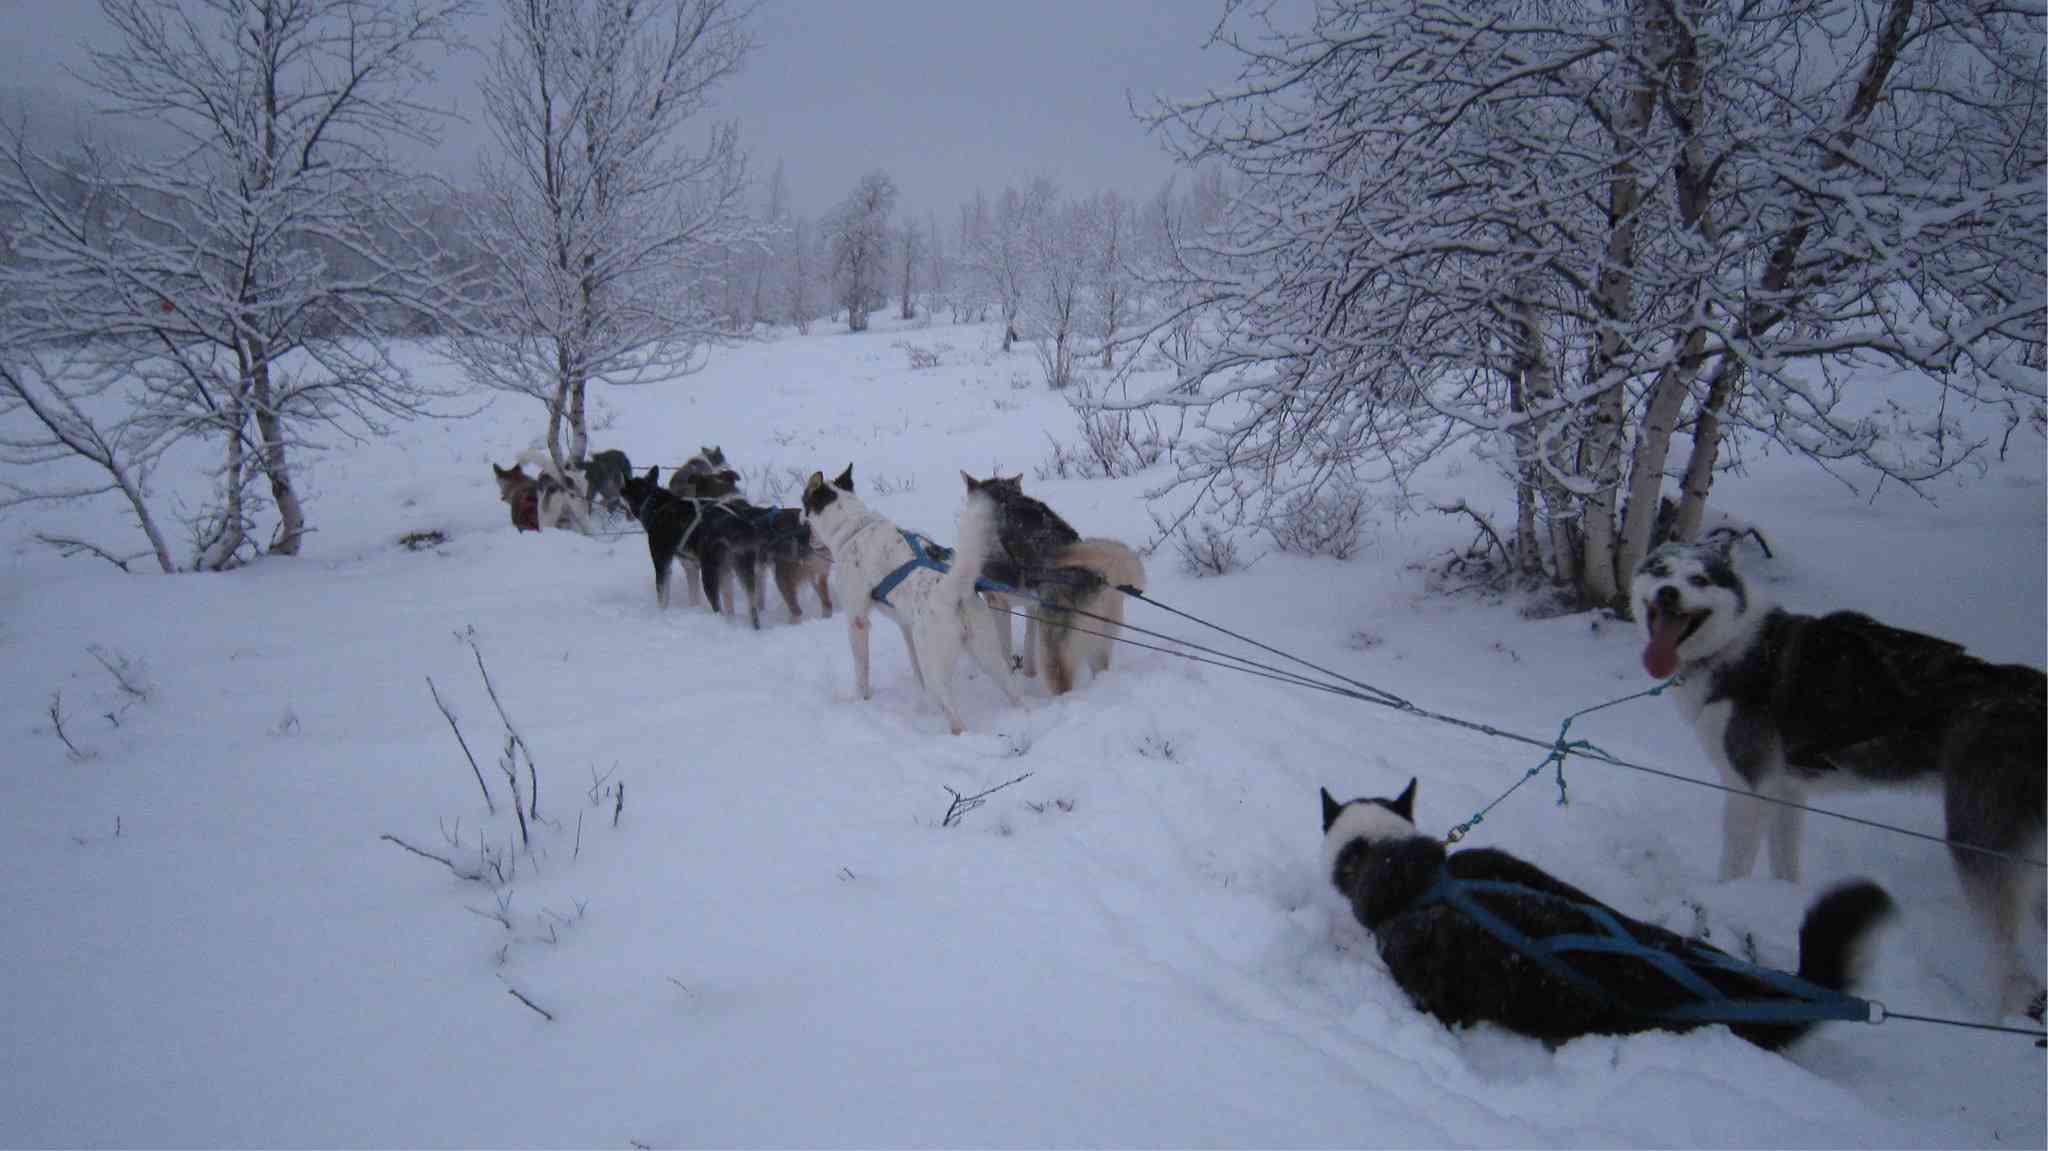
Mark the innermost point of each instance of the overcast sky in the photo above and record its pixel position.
(945, 95)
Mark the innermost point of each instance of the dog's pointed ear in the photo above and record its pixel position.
(1404, 803)
(1720, 543)
(971, 482)
(1331, 809)
(844, 480)
(654, 474)
(816, 481)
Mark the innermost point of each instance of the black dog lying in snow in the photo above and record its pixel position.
(1607, 974)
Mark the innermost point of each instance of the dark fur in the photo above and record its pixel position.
(604, 474)
(1454, 969)
(707, 462)
(785, 541)
(1042, 555)
(1880, 703)
(720, 541)
(1031, 534)
(1887, 705)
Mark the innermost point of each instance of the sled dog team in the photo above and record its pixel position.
(1015, 556)
(1783, 704)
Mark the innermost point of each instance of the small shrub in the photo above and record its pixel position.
(1206, 551)
(1113, 443)
(421, 541)
(1321, 522)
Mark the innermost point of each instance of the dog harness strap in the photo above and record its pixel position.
(1452, 892)
(1809, 1002)
(921, 550)
(696, 517)
(919, 558)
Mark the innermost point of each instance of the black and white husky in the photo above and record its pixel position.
(938, 611)
(1481, 936)
(700, 530)
(1786, 702)
(1074, 587)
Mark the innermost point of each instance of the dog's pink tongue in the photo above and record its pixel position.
(1660, 658)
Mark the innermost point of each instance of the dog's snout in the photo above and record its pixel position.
(1667, 598)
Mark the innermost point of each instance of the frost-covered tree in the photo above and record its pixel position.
(242, 281)
(910, 244)
(936, 273)
(799, 270)
(1059, 255)
(972, 290)
(1560, 228)
(860, 234)
(603, 232)
(1114, 223)
(1002, 254)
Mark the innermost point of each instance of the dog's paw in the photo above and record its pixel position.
(2038, 1007)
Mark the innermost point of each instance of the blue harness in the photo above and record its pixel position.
(1809, 1001)
(922, 552)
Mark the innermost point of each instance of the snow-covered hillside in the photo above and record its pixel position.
(772, 941)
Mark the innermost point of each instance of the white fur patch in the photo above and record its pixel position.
(938, 613)
(1361, 820)
(1731, 621)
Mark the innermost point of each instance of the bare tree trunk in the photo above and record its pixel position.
(1694, 187)
(1653, 451)
(143, 519)
(1779, 274)
(579, 427)
(220, 552)
(1540, 461)
(1528, 470)
(1706, 448)
(291, 517)
(558, 404)
(1601, 450)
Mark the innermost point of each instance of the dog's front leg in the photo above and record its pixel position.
(910, 643)
(1742, 830)
(1787, 823)
(857, 637)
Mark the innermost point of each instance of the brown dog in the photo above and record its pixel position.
(537, 502)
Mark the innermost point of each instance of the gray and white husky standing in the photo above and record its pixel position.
(1785, 703)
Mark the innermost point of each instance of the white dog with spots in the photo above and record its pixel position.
(937, 609)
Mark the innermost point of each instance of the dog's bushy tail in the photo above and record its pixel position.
(1834, 940)
(977, 538)
(1115, 562)
(1834, 949)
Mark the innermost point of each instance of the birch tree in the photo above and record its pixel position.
(1059, 251)
(1113, 221)
(860, 247)
(910, 243)
(245, 277)
(1518, 223)
(602, 230)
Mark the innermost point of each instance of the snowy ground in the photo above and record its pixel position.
(207, 942)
